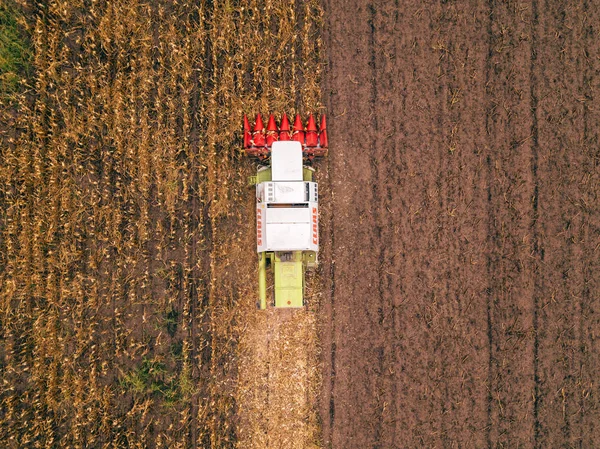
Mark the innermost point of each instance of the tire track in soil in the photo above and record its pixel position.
(538, 249)
(382, 55)
(377, 189)
(488, 208)
(327, 212)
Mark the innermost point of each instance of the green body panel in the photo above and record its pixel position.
(310, 259)
(263, 175)
(307, 174)
(262, 280)
(288, 273)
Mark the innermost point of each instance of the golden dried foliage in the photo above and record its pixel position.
(127, 265)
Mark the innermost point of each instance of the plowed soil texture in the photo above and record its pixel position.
(463, 302)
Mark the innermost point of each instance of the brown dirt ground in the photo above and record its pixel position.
(462, 238)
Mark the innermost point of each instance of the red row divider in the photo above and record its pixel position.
(258, 140)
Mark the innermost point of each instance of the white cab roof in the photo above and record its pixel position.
(286, 161)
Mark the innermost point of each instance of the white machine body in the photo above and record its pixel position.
(287, 209)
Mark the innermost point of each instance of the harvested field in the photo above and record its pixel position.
(463, 298)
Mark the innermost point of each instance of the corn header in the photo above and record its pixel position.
(287, 206)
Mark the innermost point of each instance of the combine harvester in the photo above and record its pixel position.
(287, 209)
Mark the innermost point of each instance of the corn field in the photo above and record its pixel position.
(127, 264)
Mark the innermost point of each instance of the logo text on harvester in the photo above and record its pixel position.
(315, 234)
(259, 227)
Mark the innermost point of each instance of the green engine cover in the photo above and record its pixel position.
(288, 274)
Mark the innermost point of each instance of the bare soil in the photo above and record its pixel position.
(461, 305)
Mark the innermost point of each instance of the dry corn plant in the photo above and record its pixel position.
(127, 261)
